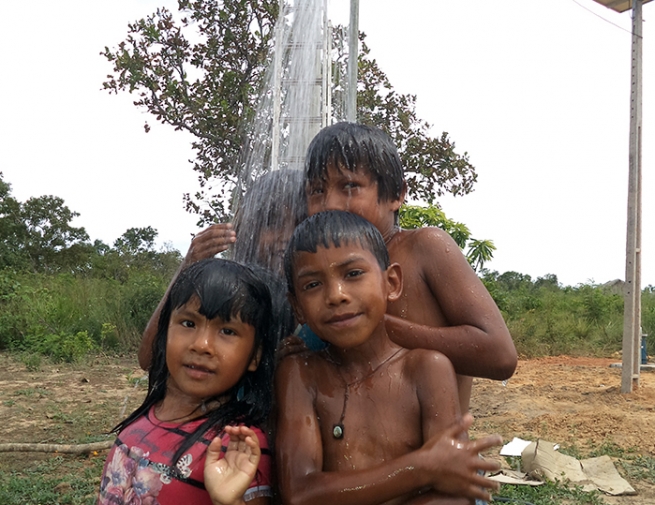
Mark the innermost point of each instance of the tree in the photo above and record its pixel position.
(37, 235)
(136, 241)
(12, 229)
(210, 87)
(432, 167)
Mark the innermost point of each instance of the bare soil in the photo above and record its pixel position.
(575, 402)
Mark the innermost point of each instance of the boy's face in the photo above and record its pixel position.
(342, 293)
(355, 192)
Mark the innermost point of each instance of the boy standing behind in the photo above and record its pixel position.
(444, 306)
(365, 421)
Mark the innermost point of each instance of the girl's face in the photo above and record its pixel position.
(206, 357)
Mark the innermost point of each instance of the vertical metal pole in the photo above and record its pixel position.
(277, 91)
(353, 41)
(632, 295)
(326, 73)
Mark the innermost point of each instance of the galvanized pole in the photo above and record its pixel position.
(353, 41)
(632, 294)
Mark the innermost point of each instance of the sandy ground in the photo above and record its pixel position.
(575, 402)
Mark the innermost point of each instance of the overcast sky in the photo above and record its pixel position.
(536, 91)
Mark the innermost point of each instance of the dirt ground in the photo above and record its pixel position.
(575, 402)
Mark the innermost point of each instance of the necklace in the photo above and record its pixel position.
(338, 429)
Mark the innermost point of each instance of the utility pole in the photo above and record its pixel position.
(632, 288)
(632, 295)
(353, 41)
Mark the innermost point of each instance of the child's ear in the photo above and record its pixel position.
(300, 317)
(401, 199)
(254, 363)
(394, 282)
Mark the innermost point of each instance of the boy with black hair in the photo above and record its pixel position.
(445, 306)
(365, 421)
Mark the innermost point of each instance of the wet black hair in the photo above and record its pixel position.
(225, 289)
(331, 229)
(275, 200)
(352, 146)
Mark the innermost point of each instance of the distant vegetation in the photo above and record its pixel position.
(62, 296)
(546, 318)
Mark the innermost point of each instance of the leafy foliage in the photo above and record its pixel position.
(38, 234)
(547, 318)
(207, 87)
(432, 167)
(60, 295)
(202, 71)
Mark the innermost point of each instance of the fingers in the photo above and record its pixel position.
(210, 241)
(485, 443)
(214, 450)
(290, 345)
(244, 440)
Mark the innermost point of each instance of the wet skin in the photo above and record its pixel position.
(444, 306)
(205, 358)
(399, 402)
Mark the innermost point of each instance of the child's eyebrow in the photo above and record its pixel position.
(342, 264)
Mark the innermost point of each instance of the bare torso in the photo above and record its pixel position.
(383, 418)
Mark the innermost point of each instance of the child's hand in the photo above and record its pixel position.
(209, 242)
(228, 478)
(290, 345)
(454, 463)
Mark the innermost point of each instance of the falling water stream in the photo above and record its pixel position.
(295, 103)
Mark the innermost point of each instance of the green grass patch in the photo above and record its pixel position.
(549, 493)
(56, 481)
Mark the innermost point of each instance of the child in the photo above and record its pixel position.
(363, 420)
(212, 367)
(265, 218)
(445, 306)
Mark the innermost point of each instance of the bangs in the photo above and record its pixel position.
(332, 229)
(222, 293)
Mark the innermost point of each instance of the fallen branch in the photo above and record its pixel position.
(61, 448)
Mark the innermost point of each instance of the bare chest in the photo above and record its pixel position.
(379, 419)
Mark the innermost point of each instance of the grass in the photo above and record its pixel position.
(56, 481)
(548, 493)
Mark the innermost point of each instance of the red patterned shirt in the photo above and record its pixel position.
(138, 472)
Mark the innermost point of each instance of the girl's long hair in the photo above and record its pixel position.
(225, 289)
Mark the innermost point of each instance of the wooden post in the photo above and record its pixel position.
(632, 294)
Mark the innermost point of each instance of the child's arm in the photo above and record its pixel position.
(209, 242)
(444, 461)
(228, 478)
(476, 339)
(436, 385)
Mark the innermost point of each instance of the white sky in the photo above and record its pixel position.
(536, 91)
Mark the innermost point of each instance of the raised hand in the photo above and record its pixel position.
(228, 478)
(454, 463)
(209, 242)
(290, 345)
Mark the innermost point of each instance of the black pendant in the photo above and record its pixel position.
(337, 431)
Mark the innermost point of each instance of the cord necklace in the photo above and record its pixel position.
(338, 429)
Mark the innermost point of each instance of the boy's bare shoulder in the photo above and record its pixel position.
(419, 362)
(304, 366)
(426, 236)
